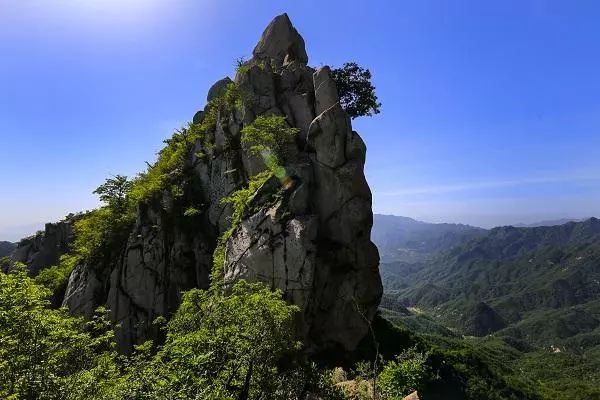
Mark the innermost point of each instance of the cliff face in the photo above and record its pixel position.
(6, 248)
(311, 240)
(45, 248)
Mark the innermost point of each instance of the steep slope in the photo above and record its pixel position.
(303, 227)
(531, 295)
(521, 274)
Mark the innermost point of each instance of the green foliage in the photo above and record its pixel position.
(400, 377)
(240, 201)
(227, 346)
(235, 345)
(99, 235)
(100, 232)
(171, 169)
(41, 350)
(56, 277)
(268, 137)
(114, 192)
(242, 66)
(356, 92)
(191, 212)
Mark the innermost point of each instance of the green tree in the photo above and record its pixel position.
(42, 349)
(227, 346)
(403, 375)
(114, 192)
(356, 92)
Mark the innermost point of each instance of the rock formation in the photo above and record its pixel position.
(6, 248)
(312, 241)
(44, 249)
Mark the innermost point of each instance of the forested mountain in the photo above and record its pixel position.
(406, 239)
(537, 288)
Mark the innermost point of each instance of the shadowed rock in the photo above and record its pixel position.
(280, 41)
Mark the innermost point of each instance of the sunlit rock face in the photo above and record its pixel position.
(312, 241)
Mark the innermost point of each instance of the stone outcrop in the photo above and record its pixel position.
(312, 241)
(44, 249)
(281, 42)
(6, 248)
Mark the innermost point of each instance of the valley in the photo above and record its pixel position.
(524, 297)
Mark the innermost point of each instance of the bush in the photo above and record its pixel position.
(240, 200)
(403, 375)
(41, 350)
(268, 137)
(170, 170)
(56, 277)
(222, 346)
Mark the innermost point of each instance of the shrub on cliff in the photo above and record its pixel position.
(356, 92)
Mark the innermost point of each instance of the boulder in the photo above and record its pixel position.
(218, 89)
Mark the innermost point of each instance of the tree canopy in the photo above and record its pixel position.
(356, 92)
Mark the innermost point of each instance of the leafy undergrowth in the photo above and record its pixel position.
(553, 372)
(236, 346)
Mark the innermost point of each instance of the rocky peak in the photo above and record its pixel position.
(306, 231)
(280, 42)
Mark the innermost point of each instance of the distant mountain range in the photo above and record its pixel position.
(551, 222)
(541, 284)
(406, 239)
(529, 295)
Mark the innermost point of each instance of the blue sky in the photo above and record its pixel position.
(491, 110)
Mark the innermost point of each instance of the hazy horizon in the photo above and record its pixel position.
(490, 111)
(15, 233)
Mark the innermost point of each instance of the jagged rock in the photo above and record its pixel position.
(329, 132)
(84, 291)
(276, 251)
(218, 89)
(161, 260)
(281, 40)
(329, 216)
(307, 232)
(326, 94)
(44, 249)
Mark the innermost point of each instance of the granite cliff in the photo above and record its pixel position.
(306, 230)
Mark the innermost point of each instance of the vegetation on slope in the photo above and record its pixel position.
(235, 344)
(541, 282)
